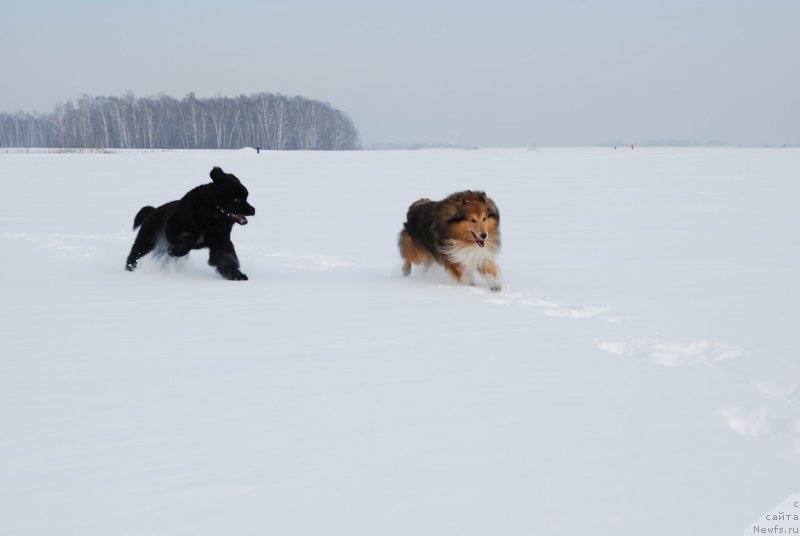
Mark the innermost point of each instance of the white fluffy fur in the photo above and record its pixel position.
(473, 257)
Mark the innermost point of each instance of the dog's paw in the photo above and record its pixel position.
(238, 276)
(495, 287)
(179, 250)
(131, 266)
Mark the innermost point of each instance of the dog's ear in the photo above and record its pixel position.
(217, 174)
(493, 212)
(220, 177)
(481, 196)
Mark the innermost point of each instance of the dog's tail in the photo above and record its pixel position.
(141, 215)
(415, 206)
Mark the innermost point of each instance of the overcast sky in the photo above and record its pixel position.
(491, 73)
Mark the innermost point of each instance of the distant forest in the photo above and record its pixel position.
(266, 120)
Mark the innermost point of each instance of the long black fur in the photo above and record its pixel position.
(203, 218)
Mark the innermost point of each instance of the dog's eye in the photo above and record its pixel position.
(474, 220)
(237, 200)
(484, 218)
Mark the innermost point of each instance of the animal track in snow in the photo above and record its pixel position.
(554, 308)
(753, 422)
(672, 354)
(786, 393)
(216, 491)
(750, 423)
(310, 262)
(789, 394)
(65, 245)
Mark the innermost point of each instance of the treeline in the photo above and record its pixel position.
(162, 122)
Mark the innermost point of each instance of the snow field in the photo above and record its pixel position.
(638, 372)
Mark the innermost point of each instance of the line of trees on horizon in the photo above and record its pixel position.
(270, 121)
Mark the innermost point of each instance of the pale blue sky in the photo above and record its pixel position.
(488, 73)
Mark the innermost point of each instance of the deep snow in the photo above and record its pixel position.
(637, 375)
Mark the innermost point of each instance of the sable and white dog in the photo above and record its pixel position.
(461, 232)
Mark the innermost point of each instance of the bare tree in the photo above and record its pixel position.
(264, 119)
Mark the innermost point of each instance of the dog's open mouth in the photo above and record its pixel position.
(480, 241)
(233, 216)
(236, 218)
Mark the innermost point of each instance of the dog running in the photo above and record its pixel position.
(203, 218)
(461, 232)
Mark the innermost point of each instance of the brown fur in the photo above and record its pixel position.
(461, 233)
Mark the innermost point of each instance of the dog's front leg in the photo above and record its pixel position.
(492, 274)
(458, 272)
(226, 262)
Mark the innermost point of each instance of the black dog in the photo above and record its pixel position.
(203, 218)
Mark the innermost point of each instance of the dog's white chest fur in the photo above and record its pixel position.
(475, 258)
(471, 257)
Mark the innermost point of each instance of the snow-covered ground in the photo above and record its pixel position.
(638, 374)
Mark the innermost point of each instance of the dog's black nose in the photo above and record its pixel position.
(484, 235)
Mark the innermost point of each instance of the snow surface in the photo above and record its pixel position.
(638, 374)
